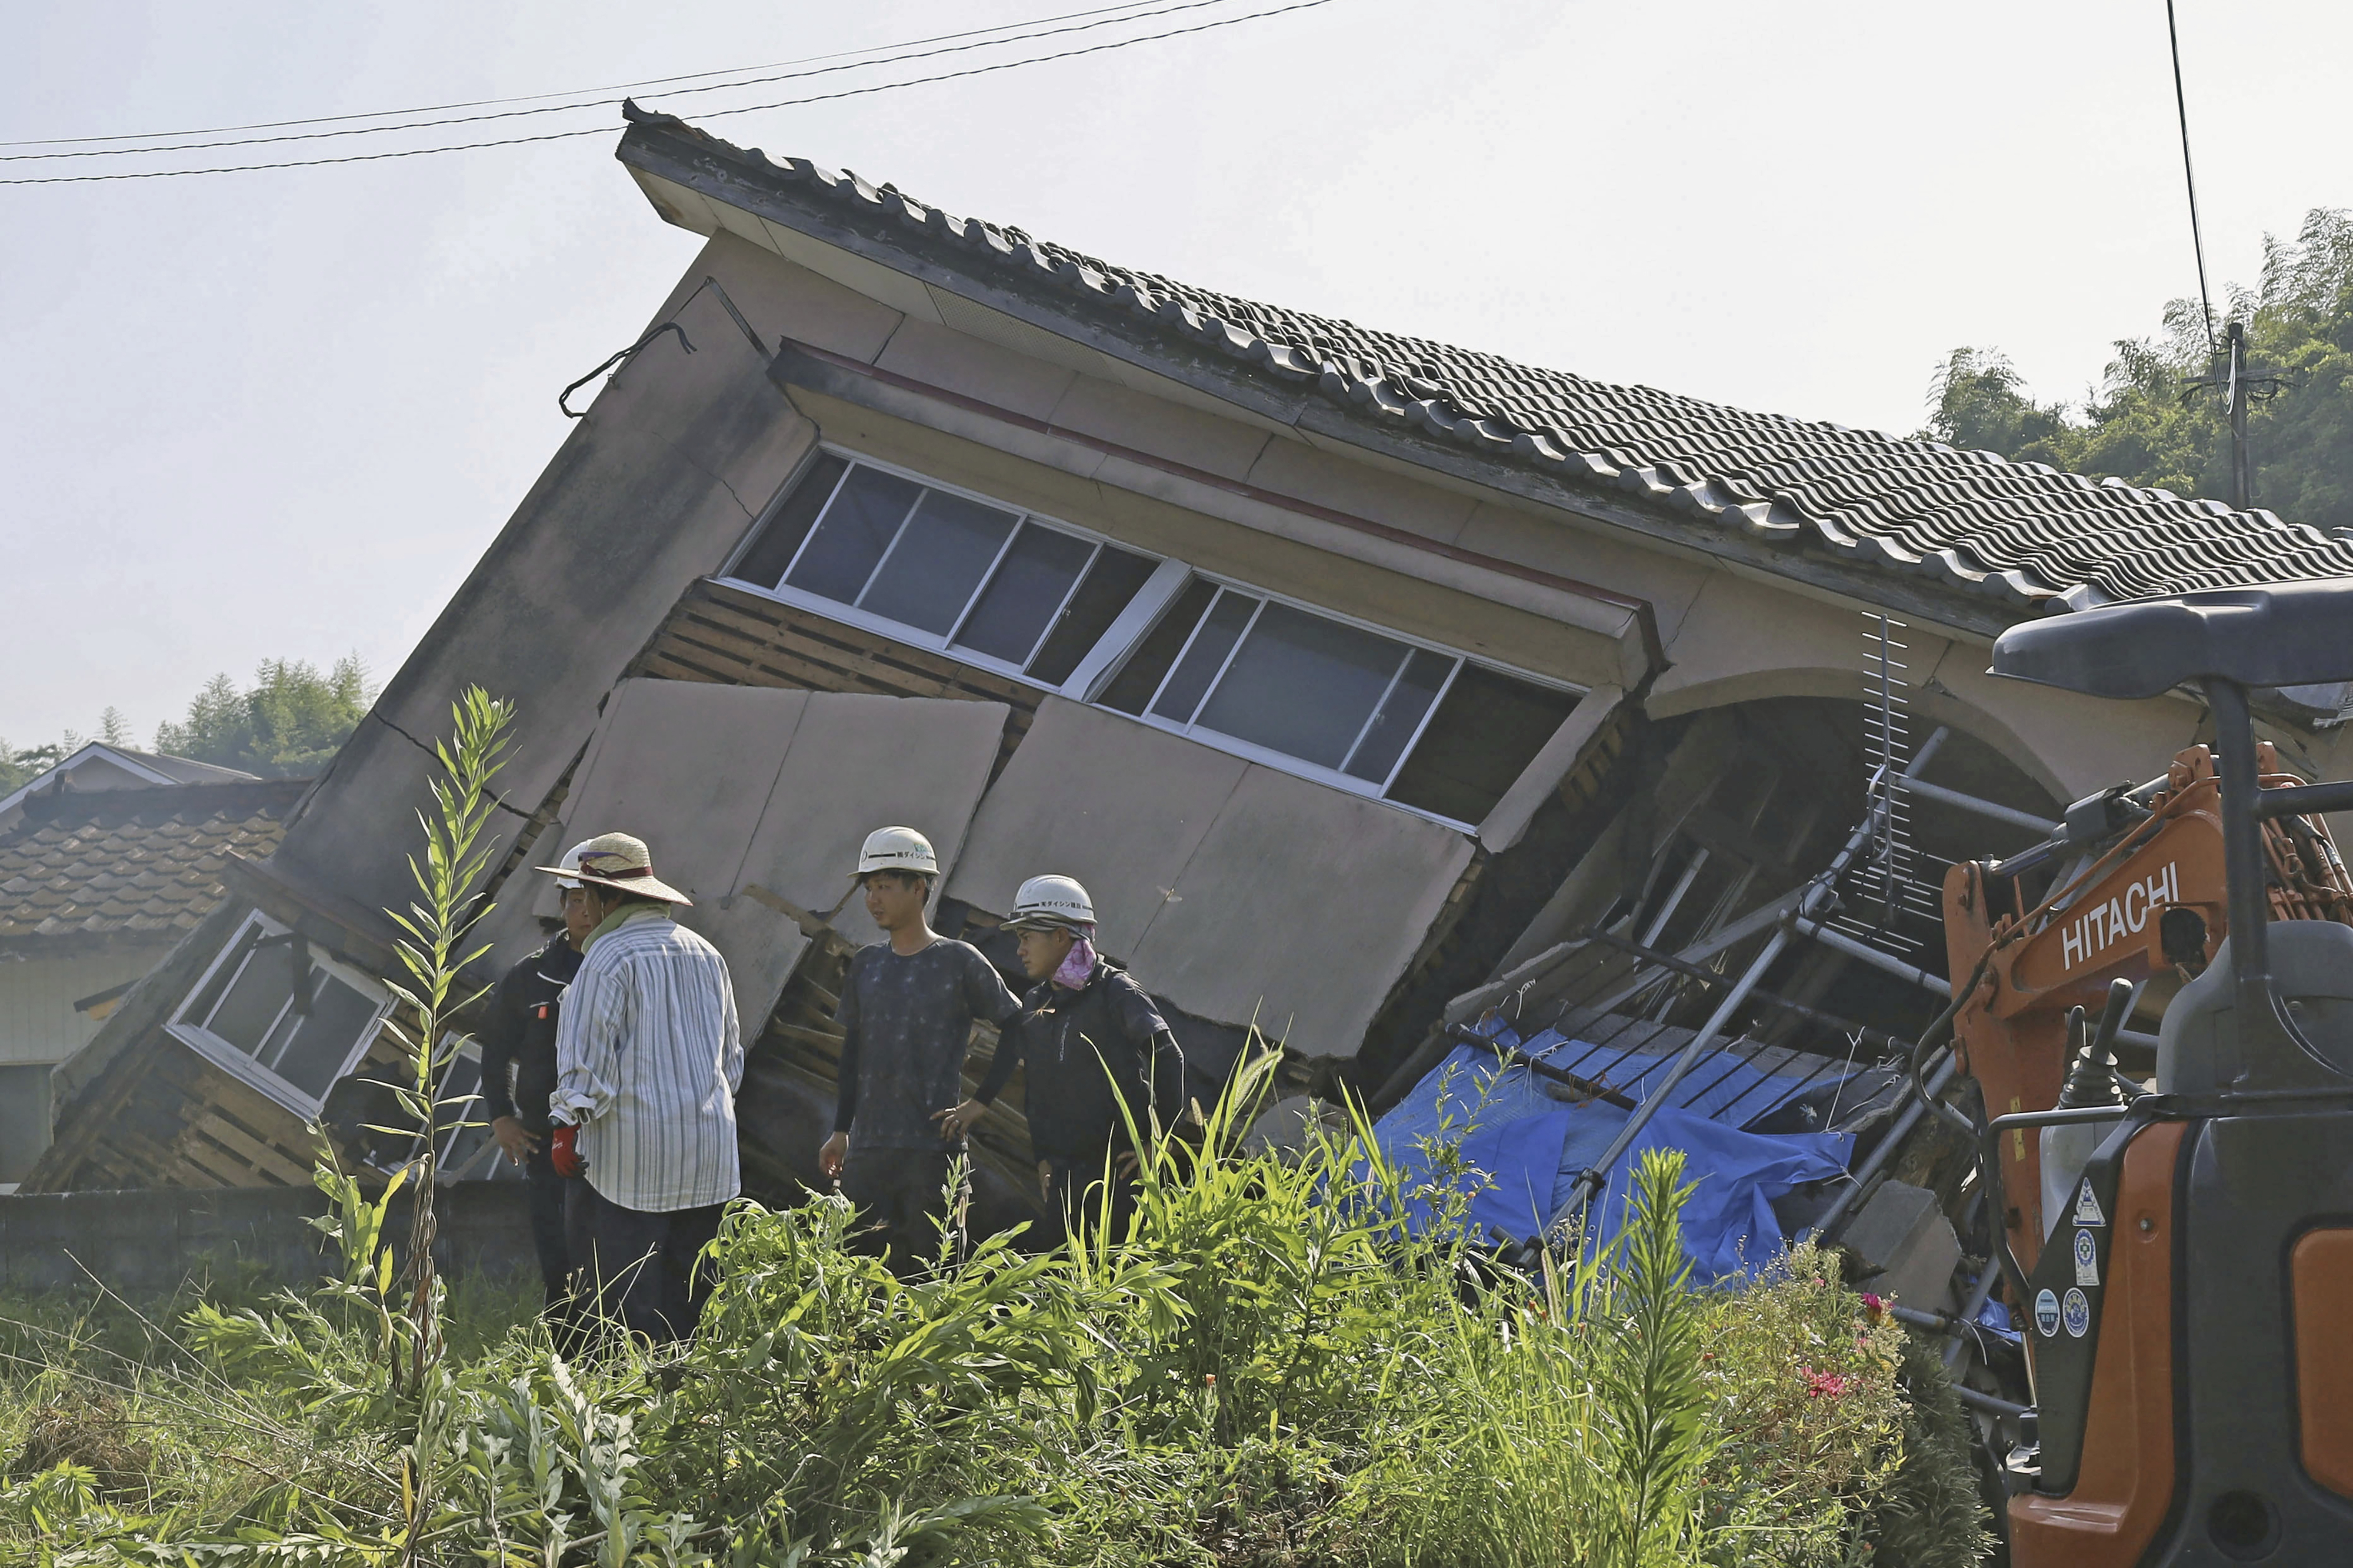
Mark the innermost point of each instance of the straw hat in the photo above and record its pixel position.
(617, 860)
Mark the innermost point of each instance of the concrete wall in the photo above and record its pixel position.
(143, 1242)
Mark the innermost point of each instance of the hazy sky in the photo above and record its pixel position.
(280, 414)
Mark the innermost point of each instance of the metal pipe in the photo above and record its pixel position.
(1960, 1336)
(2306, 800)
(1815, 892)
(1990, 1404)
(1985, 808)
(1884, 1152)
(1590, 1182)
(1830, 937)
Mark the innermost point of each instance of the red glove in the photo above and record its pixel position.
(563, 1153)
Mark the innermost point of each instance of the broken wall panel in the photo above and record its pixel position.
(1240, 893)
(1118, 804)
(753, 800)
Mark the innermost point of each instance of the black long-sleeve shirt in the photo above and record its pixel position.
(906, 1020)
(519, 1035)
(1068, 1039)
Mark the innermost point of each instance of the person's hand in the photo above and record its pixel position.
(958, 1120)
(833, 1156)
(519, 1144)
(564, 1152)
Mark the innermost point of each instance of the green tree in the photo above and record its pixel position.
(289, 723)
(2148, 424)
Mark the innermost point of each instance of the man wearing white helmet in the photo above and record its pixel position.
(1099, 1057)
(518, 1040)
(906, 1015)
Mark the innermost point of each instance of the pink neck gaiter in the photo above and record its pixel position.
(1078, 965)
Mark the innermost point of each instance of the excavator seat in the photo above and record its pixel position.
(2311, 966)
(2292, 634)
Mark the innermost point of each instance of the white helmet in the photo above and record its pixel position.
(897, 849)
(567, 869)
(1051, 903)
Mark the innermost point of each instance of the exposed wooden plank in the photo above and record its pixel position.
(270, 1162)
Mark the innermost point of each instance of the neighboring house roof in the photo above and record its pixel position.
(2021, 535)
(143, 864)
(97, 765)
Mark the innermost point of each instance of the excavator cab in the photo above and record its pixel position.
(2189, 1319)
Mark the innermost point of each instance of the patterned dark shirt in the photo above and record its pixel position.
(905, 1022)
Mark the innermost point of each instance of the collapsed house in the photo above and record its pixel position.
(1385, 694)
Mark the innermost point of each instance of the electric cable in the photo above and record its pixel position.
(2190, 176)
(705, 114)
(574, 92)
(1163, 10)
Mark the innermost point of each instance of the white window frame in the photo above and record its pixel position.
(1096, 669)
(226, 1056)
(916, 637)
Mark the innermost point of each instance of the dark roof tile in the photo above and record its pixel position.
(2023, 533)
(140, 862)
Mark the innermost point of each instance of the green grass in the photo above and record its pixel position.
(1267, 1371)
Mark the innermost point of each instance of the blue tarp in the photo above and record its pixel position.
(1529, 1148)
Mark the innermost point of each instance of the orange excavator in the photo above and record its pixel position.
(2179, 1250)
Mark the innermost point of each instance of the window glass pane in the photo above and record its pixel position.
(787, 526)
(322, 1042)
(1480, 741)
(201, 1004)
(1108, 587)
(1029, 586)
(856, 528)
(255, 999)
(1202, 661)
(941, 557)
(1140, 677)
(1384, 740)
(1303, 685)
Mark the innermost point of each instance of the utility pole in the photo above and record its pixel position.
(2234, 393)
(2240, 388)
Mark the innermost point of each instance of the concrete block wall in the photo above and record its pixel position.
(149, 1242)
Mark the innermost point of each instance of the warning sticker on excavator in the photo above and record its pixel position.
(2087, 1206)
(2087, 1259)
(2046, 1314)
(2078, 1313)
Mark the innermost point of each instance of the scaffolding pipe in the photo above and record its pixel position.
(1986, 809)
(1836, 1215)
(1830, 937)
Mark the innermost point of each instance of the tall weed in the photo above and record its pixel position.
(1262, 1367)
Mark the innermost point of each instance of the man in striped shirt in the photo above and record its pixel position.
(649, 1055)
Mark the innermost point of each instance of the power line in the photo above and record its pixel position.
(1015, 38)
(574, 93)
(706, 114)
(2190, 176)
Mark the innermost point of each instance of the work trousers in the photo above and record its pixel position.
(549, 1195)
(902, 1201)
(1074, 1200)
(645, 1271)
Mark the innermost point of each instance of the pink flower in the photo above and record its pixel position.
(1824, 1385)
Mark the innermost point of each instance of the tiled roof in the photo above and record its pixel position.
(139, 863)
(2022, 534)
